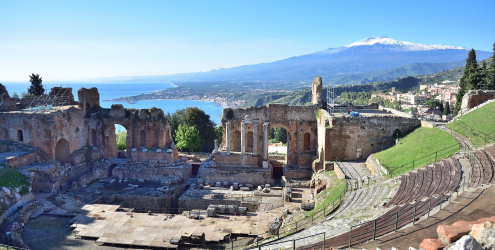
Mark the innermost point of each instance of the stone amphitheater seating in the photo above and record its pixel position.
(483, 172)
(410, 199)
(427, 182)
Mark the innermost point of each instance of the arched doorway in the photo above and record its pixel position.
(110, 170)
(307, 140)
(120, 140)
(62, 151)
(277, 150)
(236, 141)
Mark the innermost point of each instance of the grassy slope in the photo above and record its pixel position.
(482, 119)
(331, 193)
(12, 179)
(419, 146)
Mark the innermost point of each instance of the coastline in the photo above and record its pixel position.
(219, 104)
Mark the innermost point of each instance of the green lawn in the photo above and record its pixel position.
(478, 126)
(331, 193)
(420, 148)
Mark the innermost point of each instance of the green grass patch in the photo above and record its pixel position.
(478, 126)
(12, 179)
(332, 193)
(420, 148)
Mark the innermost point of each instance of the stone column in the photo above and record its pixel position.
(255, 138)
(216, 146)
(243, 139)
(265, 145)
(227, 132)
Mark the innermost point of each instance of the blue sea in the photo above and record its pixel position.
(119, 89)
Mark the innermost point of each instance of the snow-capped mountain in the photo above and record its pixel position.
(372, 59)
(400, 45)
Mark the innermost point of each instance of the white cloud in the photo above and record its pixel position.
(64, 60)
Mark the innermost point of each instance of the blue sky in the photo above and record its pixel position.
(74, 40)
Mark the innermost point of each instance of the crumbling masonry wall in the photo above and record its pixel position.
(475, 97)
(297, 120)
(355, 138)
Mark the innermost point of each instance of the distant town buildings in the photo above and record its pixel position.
(441, 92)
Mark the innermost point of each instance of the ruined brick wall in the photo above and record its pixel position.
(88, 98)
(63, 96)
(7, 103)
(239, 174)
(144, 129)
(148, 172)
(355, 138)
(297, 120)
(236, 159)
(298, 173)
(142, 156)
(475, 97)
(45, 131)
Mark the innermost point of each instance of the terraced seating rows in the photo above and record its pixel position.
(362, 199)
(409, 200)
(426, 182)
(385, 224)
(490, 151)
(483, 170)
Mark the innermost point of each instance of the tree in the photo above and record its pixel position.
(36, 87)
(469, 80)
(24, 94)
(219, 133)
(121, 140)
(446, 109)
(15, 96)
(484, 75)
(491, 72)
(188, 138)
(277, 134)
(193, 116)
(433, 103)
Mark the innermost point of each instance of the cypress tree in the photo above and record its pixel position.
(36, 87)
(491, 72)
(446, 109)
(470, 79)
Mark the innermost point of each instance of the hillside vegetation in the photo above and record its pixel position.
(419, 148)
(478, 126)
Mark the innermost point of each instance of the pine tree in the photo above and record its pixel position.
(483, 75)
(36, 87)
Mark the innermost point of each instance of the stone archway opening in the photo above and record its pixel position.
(62, 151)
(277, 141)
(236, 141)
(307, 142)
(120, 140)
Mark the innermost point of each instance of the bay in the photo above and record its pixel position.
(119, 89)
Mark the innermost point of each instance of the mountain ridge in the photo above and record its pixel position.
(369, 56)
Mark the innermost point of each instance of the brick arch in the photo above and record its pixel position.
(62, 151)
